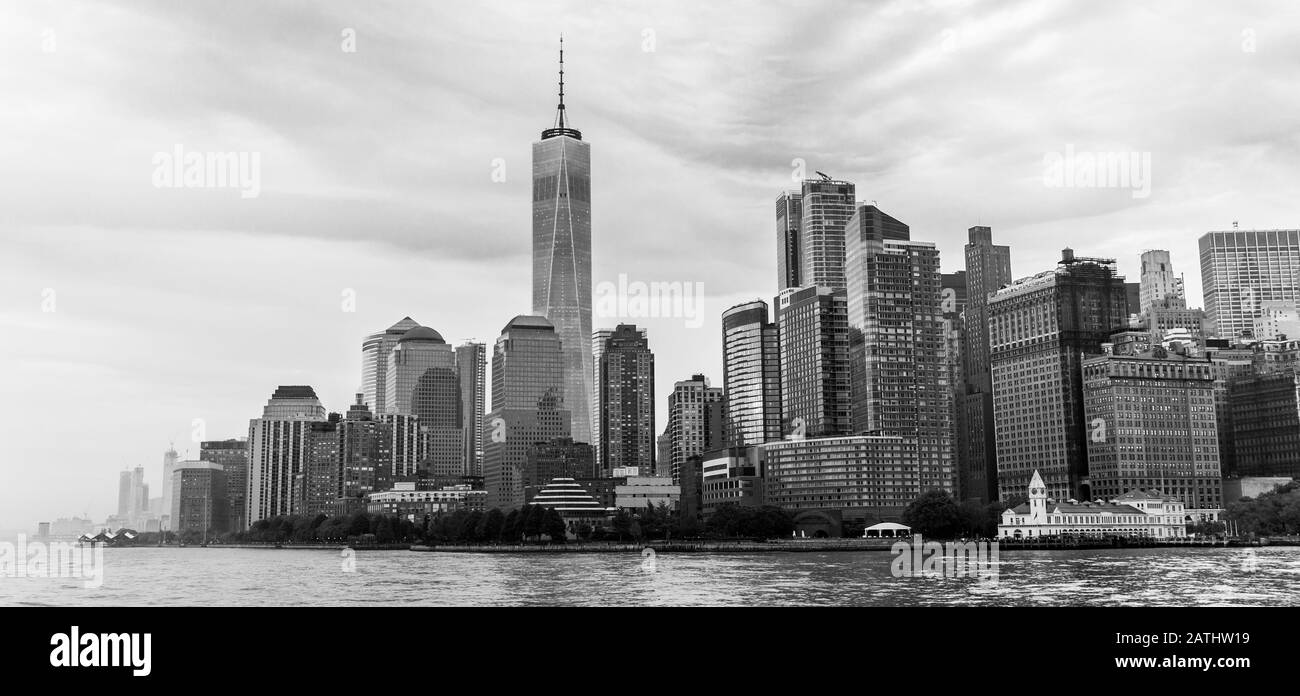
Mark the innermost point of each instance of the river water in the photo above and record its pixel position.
(289, 577)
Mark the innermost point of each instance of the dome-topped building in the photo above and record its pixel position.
(421, 333)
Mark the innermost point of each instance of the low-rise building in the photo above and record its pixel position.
(408, 502)
(732, 476)
(1140, 513)
(647, 491)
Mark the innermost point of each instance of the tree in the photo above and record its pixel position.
(533, 518)
(510, 528)
(555, 527)
(934, 514)
(622, 524)
(584, 531)
(358, 524)
(492, 524)
(384, 530)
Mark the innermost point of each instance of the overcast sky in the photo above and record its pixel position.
(377, 176)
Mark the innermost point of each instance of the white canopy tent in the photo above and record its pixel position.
(887, 529)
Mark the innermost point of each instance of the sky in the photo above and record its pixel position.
(393, 153)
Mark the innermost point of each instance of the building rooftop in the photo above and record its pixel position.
(421, 333)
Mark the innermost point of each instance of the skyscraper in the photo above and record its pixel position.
(471, 366)
(815, 380)
(1039, 330)
(170, 458)
(528, 407)
(422, 381)
(988, 268)
(895, 304)
(562, 254)
(1152, 425)
(374, 363)
(789, 216)
(1241, 270)
(1159, 285)
(825, 206)
(624, 415)
(232, 455)
(278, 447)
(751, 374)
(695, 421)
(199, 504)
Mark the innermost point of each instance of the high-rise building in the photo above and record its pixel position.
(558, 458)
(825, 206)
(471, 367)
(278, 447)
(1241, 270)
(132, 496)
(988, 268)
(374, 363)
(321, 482)
(1151, 424)
(170, 458)
(895, 304)
(789, 216)
(199, 504)
(562, 254)
(232, 455)
(815, 378)
(422, 381)
(528, 407)
(696, 414)
(623, 425)
(751, 374)
(953, 308)
(1159, 285)
(1266, 424)
(1227, 364)
(1039, 330)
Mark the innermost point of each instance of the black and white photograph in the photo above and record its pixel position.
(966, 313)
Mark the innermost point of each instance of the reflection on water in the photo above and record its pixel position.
(256, 577)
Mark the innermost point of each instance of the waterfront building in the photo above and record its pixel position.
(575, 505)
(408, 502)
(731, 476)
(278, 446)
(232, 455)
(562, 255)
(623, 426)
(904, 370)
(639, 492)
(1152, 425)
(751, 374)
(1140, 513)
(866, 478)
(1243, 269)
(1039, 330)
(198, 499)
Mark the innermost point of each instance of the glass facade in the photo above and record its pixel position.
(751, 374)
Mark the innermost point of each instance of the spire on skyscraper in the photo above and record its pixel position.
(561, 126)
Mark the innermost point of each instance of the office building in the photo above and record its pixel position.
(751, 374)
(232, 455)
(865, 478)
(562, 254)
(558, 458)
(374, 363)
(1159, 285)
(1039, 330)
(1241, 270)
(1151, 425)
(1266, 424)
(198, 499)
(528, 407)
(623, 424)
(731, 476)
(422, 381)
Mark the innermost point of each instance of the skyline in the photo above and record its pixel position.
(354, 151)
